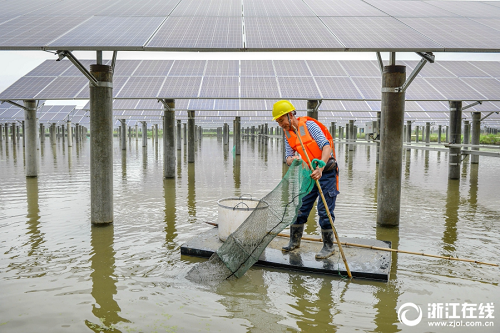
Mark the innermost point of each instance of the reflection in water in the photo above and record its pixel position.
(156, 148)
(191, 198)
(124, 164)
(407, 165)
(102, 264)
(451, 217)
(145, 159)
(33, 216)
(179, 164)
(474, 168)
(465, 166)
(237, 174)
(170, 212)
(426, 162)
(388, 293)
(54, 153)
(349, 156)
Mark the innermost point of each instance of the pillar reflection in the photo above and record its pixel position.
(191, 198)
(170, 212)
(104, 289)
(124, 164)
(450, 233)
(237, 173)
(474, 170)
(36, 237)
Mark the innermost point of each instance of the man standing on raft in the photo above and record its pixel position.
(318, 144)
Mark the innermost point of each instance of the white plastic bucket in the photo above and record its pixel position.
(233, 212)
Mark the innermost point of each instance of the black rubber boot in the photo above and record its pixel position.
(296, 231)
(328, 249)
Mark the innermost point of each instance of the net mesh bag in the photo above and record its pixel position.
(277, 210)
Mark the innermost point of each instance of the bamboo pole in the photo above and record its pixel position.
(396, 250)
(324, 203)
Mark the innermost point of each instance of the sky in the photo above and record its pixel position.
(15, 64)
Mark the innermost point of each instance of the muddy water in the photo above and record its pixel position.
(60, 274)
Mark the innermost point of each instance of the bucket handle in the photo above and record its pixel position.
(239, 203)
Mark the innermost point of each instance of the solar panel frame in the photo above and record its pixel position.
(331, 105)
(109, 33)
(488, 87)
(141, 87)
(361, 68)
(430, 70)
(420, 89)
(411, 9)
(125, 67)
(26, 88)
(141, 8)
(153, 68)
(63, 88)
(454, 89)
(375, 33)
(463, 69)
(188, 68)
(150, 104)
(356, 106)
(492, 68)
(50, 68)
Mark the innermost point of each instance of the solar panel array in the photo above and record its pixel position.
(260, 79)
(241, 25)
(46, 114)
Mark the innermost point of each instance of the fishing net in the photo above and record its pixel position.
(277, 210)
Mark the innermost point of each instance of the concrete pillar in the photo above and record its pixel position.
(136, 132)
(190, 140)
(179, 134)
(18, 132)
(62, 134)
(455, 138)
(351, 134)
(476, 131)
(379, 124)
(266, 139)
(427, 133)
(466, 134)
(253, 132)
(52, 134)
(70, 134)
(334, 130)
(13, 133)
(195, 132)
(144, 134)
(225, 134)
(311, 106)
(30, 137)
(391, 143)
(200, 133)
(6, 133)
(129, 132)
(123, 133)
(355, 133)
(185, 133)
(1, 132)
(408, 133)
(417, 134)
(77, 133)
(169, 154)
(447, 133)
(237, 135)
(101, 145)
(439, 133)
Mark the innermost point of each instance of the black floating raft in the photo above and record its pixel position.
(363, 263)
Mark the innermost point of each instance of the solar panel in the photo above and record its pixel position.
(74, 71)
(361, 68)
(125, 67)
(227, 104)
(74, 8)
(337, 87)
(153, 68)
(412, 106)
(26, 88)
(201, 104)
(326, 68)
(220, 86)
(456, 34)
(429, 70)
(342, 114)
(188, 68)
(141, 8)
(108, 32)
(124, 104)
(259, 87)
(276, 8)
(35, 31)
(331, 105)
(253, 104)
(433, 106)
(463, 69)
(411, 9)
(295, 87)
(419, 89)
(468, 8)
(50, 68)
(291, 68)
(151, 104)
(198, 32)
(11, 114)
(454, 89)
(222, 68)
(141, 87)
(488, 87)
(373, 33)
(294, 33)
(180, 87)
(371, 88)
(63, 88)
(343, 8)
(208, 8)
(490, 67)
(118, 83)
(356, 106)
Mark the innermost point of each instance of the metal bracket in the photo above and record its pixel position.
(471, 105)
(16, 104)
(81, 68)
(426, 56)
(489, 114)
(113, 61)
(380, 63)
(317, 106)
(165, 104)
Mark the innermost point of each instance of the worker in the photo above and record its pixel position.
(318, 144)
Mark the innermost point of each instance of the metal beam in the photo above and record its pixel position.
(81, 68)
(380, 63)
(471, 105)
(18, 105)
(489, 114)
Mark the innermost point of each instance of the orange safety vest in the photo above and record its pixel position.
(312, 148)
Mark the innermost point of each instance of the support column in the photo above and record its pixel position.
(156, 134)
(190, 141)
(408, 133)
(265, 137)
(70, 134)
(136, 132)
(123, 134)
(417, 134)
(379, 124)
(144, 134)
(169, 154)
(466, 134)
(427, 133)
(30, 138)
(179, 134)
(447, 133)
(253, 132)
(184, 126)
(62, 134)
(237, 135)
(13, 134)
(101, 145)
(77, 132)
(391, 144)
(334, 130)
(455, 138)
(439, 133)
(24, 134)
(52, 133)
(225, 134)
(351, 134)
(311, 109)
(476, 131)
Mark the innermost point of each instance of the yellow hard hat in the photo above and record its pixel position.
(282, 107)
